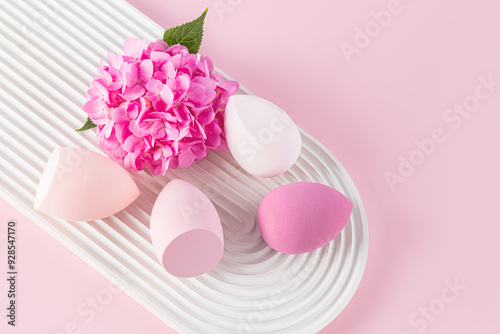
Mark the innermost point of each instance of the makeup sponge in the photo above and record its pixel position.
(261, 137)
(300, 217)
(186, 230)
(82, 185)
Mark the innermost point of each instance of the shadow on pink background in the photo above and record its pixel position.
(402, 101)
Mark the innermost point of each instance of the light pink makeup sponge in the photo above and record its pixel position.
(186, 230)
(303, 216)
(261, 136)
(82, 185)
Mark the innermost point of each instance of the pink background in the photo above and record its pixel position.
(439, 224)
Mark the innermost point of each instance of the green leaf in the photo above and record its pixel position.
(188, 34)
(87, 126)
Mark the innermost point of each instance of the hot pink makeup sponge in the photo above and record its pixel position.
(82, 185)
(186, 230)
(303, 216)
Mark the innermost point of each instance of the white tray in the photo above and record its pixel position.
(254, 289)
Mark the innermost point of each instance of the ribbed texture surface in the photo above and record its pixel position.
(254, 289)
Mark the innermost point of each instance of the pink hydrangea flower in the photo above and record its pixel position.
(158, 107)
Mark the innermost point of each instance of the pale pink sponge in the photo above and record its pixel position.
(303, 216)
(260, 135)
(82, 185)
(186, 230)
